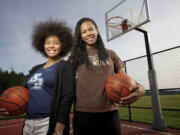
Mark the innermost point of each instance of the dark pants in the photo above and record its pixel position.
(106, 123)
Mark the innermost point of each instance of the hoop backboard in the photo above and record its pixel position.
(126, 16)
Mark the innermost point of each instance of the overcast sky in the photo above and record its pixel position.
(17, 18)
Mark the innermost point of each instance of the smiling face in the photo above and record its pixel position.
(52, 47)
(89, 34)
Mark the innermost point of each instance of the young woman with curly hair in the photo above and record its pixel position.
(50, 84)
(94, 113)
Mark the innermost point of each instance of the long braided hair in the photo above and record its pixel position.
(79, 54)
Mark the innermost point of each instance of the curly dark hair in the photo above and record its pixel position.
(52, 27)
(79, 54)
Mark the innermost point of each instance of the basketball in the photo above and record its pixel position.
(118, 86)
(14, 100)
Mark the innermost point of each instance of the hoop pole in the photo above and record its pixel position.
(158, 122)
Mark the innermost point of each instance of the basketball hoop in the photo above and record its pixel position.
(117, 23)
(126, 16)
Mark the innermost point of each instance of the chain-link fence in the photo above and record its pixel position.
(167, 67)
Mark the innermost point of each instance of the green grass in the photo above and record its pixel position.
(11, 117)
(167, 101)
(170, 101)
(172, 118)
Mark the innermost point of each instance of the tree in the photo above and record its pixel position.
(11, 79)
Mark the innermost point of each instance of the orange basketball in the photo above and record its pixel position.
(118, 86)
(14, 100)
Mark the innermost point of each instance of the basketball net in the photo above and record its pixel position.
(117, 25)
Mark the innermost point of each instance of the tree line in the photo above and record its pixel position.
(10, 79)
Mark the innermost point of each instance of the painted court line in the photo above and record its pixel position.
(147, 129)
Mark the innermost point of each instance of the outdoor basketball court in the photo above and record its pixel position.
(126, 16)
(14, 127)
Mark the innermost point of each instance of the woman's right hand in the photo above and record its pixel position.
(3, 111)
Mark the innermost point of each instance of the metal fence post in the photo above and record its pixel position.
(129, 107)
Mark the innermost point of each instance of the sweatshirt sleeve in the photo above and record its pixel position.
(67, 93)
(118, 63)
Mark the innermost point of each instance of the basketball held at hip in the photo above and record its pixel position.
(119, 85)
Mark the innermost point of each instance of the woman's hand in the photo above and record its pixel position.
(59, 129)
(136, 94)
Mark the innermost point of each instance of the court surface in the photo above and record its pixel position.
(14, 127)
